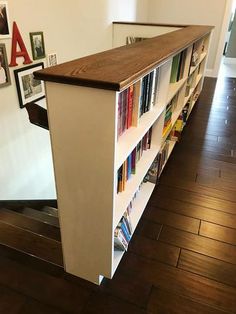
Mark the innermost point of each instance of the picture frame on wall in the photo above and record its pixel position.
(5, 78)
(4, 21)
(52, 59)
(28, 88)
(37, 45)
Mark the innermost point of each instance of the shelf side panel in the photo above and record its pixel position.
(83, 138)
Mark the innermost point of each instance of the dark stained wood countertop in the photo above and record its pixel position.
(115, 69)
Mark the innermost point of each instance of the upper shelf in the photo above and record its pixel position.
(117, 68)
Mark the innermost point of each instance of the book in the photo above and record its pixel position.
(174, 68)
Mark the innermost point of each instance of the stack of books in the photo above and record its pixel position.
(149, 91)
(123, 233)
(129, 166)
(125, 110)
(178, 66)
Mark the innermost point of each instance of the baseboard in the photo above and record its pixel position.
(229, 60)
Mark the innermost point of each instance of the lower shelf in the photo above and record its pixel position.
(139, 205)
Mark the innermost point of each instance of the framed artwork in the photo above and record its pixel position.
(5, 78)
(4, 21)
(52, 59)
(37, 45)
(28, 88)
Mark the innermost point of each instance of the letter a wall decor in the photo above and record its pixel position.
(17, 39)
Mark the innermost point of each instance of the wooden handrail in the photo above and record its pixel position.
(117, 68)
(37, 115)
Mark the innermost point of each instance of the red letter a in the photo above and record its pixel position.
(16, 38)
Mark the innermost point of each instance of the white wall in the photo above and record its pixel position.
(72, 29)
(210, 12)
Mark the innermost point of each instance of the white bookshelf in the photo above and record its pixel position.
(82, 101)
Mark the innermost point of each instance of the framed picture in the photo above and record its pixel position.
(52, 59)
(28, 88)
(37, 45)
(4, 20)
(5, 78)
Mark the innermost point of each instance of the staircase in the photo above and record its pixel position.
(30, 233)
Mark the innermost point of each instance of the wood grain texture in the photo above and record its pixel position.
(172, 219)
(208, 267)
(46, 289)
(184, 209)
(192, 286)
(148, 229)
(25, 222)
(155, 250)
(164, 302)
(149, 24)
(199, 244)
(31, 243)
(117, 68)
(217, 232)
(198, 199)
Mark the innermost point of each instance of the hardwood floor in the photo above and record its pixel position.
(182, 257)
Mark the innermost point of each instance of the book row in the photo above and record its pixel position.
(168, 113)
(136, 100)
(123, 232)
(124, 229)
(178, 66)
(129, 166)
(155, 170)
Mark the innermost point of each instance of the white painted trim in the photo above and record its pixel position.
(229, 60)
(210, 73)
(224, 29)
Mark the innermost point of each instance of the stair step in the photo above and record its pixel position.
(39, 215)
(17, 219)
(50, 210)
(30, 243)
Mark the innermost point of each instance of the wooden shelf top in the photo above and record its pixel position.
(117, 68)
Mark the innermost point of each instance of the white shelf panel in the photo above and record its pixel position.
(198, 79)
(116, 259)
(130, 139)
(123, 199)
(140, 203)
(193, 68)
(174, 88)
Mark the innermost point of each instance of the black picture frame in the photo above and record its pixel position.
(28, 88)
(37, 45)
(5, 78)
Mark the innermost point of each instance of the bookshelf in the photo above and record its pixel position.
(114, 118)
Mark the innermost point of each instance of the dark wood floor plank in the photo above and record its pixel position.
(194, 187)
(217, 232)
(164, 192)
(192, 286)
(155, 250)
(10, 301)
(191, 210)
(30, 243)
(199, 244)
(128, 288)
(172, 219)
(165, 302)
(148, 229)
(46, 289)
(107, 304)
(208, 267)
(34, 307)
(14, 218)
